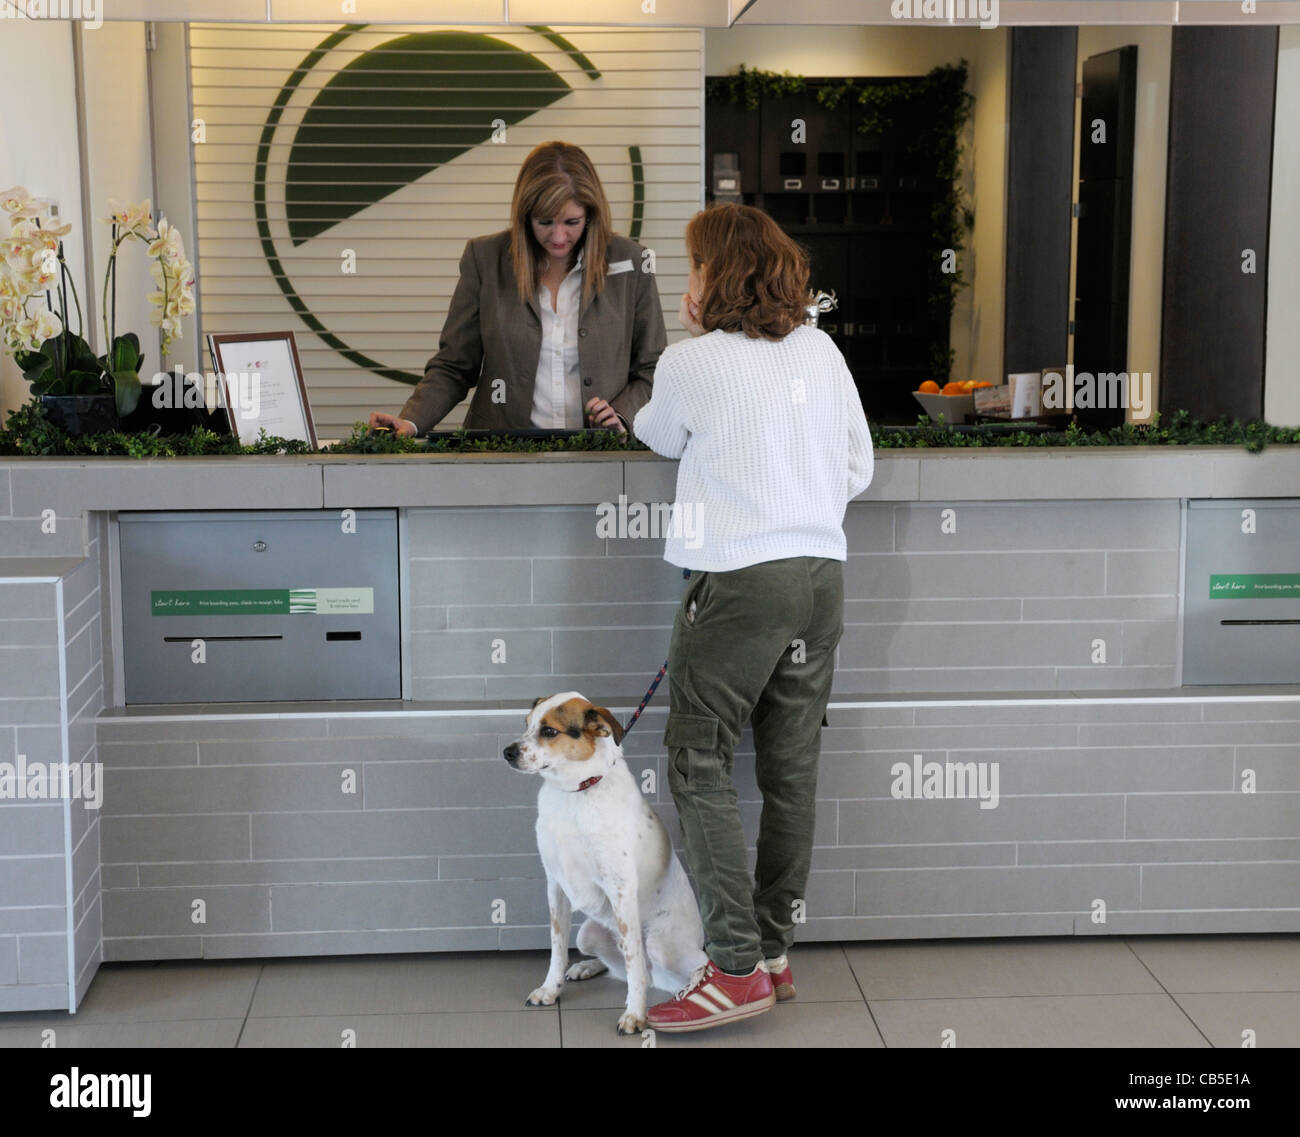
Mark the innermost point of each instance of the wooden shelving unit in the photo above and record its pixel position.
(861, 205)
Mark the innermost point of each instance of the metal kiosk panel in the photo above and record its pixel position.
(288, 604)
(1241, 592)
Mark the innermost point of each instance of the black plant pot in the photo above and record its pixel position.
(81, 414)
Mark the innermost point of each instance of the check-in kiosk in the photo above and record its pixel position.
(255, 605)
(1241, 613)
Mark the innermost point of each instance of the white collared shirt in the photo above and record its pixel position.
(557, 391)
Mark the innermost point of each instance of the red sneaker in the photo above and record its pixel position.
(713, 998)
(782, 980)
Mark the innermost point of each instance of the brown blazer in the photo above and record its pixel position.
(490, 334)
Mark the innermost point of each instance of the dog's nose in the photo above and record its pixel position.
(512, 753)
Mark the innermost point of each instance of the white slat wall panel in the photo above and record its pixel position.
(408, 245)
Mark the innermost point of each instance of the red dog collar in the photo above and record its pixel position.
(589, 783)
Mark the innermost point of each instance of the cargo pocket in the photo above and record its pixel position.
(693, 759)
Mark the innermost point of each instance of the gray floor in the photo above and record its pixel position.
(1145, 991)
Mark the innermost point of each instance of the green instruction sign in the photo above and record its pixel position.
(263, 602)
(1254, 586)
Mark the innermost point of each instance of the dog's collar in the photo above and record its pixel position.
(589, 783)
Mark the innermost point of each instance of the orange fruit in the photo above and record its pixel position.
(929, 387)
(953, 388)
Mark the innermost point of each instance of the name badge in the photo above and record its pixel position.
(618, 266)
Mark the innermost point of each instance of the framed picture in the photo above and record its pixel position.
(261, 384)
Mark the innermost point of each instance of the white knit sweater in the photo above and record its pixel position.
(773, 445)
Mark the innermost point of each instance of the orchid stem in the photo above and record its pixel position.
(75, 298)
(112, 256)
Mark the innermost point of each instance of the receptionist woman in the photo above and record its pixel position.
(555, 322)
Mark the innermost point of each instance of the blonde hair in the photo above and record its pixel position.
(757, 277)
(553, 174)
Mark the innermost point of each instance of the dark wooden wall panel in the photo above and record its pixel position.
(1222, 87)
(1040, 167)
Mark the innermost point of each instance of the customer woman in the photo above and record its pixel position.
(773, 442)
(555, 321)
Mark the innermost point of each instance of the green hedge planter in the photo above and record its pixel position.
(28, 432)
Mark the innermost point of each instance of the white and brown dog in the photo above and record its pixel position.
(607, 854)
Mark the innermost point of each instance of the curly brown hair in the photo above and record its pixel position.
(756, 277)
(553, 174)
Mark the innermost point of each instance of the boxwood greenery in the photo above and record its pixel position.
(27, 432)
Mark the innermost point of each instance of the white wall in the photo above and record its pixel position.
(38, 146)
(174, 169)
(835, 51)
(120, 166)
(39, 149)
(1282, 344)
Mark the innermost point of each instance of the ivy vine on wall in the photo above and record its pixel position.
(929, 114)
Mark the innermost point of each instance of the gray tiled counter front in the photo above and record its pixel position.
(1012, 615)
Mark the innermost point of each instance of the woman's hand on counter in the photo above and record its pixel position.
(600, 413)
(391, 422)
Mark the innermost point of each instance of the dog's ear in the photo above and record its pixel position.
(595, 715)
(535, 702)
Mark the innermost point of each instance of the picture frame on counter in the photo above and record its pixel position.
(260, 379)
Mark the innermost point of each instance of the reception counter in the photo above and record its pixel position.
(1015, 615)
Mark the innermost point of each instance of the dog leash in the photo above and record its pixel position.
(686, 575)
(589, 782)
(648, 696)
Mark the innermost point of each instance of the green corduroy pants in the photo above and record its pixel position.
(755, 644)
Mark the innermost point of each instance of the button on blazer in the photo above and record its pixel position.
(491, 334)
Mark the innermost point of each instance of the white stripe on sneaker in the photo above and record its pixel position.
(700, 1001)
(719, 996)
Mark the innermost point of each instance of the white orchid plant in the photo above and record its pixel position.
(55, 360)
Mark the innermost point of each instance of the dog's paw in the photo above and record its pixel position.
(630, 1023)
(542, 997)
(586, 969)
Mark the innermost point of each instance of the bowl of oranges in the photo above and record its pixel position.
(955, 400)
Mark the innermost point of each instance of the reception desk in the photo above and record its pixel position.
(1014, 615)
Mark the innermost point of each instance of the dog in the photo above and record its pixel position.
(607, 854)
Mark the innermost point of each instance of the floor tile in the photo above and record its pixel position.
(1221, 963)
(1038, 1021)
(1132, 991)
(166, 991)
(398, 984)
(957, 969)
(505, 1029)
(1273, 1017)
(206, 1033)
